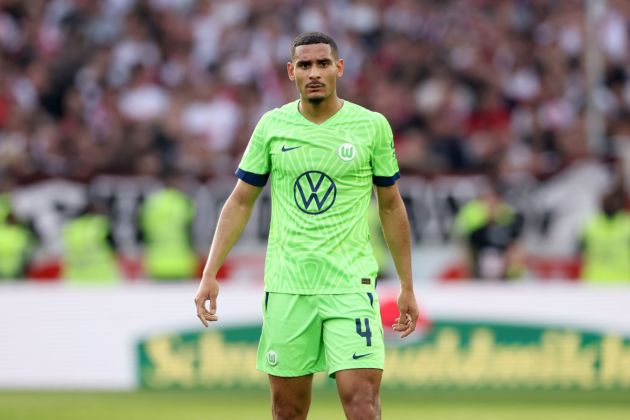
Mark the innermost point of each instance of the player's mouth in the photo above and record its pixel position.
(314, 86)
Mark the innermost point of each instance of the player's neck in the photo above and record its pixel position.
(319, 112)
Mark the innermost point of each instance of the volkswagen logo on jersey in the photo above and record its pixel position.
(314, 192)
(346, 152)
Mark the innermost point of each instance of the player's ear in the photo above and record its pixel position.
(340, 65)
(291, 71)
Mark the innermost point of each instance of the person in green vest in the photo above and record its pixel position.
(6, 186)
(166, 230)
(17, 244)
(5, 207)
(88, 248)
(490, 229)
(605, 242)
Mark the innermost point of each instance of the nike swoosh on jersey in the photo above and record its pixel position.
(286, 149)
(360, 356)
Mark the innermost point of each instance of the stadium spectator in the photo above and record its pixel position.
(17, 244)
(5, 199)
(166, 230)
(490, 230)
(88, 247)
(605, 242)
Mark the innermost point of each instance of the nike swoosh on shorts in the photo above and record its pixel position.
(359, 356)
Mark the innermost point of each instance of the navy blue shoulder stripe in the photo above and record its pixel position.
(259, 180)
(256, 180)
(385, 181)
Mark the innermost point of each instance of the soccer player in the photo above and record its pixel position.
(320, 310)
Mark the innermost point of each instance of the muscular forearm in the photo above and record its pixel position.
(396, 232)
(232, 221)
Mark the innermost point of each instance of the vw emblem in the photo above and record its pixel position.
(314, 192)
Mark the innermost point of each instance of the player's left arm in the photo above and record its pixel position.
(396, 231)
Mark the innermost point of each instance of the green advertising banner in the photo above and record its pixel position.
(450, 355)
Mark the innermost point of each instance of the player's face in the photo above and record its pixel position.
(315, 70)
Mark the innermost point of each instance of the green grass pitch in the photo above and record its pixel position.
(182, 405)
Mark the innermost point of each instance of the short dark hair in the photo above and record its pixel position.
(310, 38)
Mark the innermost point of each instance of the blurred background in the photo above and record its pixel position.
(122, 122)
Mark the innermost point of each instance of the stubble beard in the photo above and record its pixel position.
(316, 101)
(317, 98)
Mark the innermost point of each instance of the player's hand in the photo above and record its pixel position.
(408, 307)
(208, 290)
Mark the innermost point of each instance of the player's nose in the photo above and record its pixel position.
(314, 74)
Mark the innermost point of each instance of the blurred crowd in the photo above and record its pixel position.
(143, 86)
(148, 87)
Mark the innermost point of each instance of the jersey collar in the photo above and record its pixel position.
(327, 122)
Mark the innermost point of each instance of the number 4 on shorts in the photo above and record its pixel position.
(367, 333)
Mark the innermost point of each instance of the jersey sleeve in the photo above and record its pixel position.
(255, 164)
(385, 170)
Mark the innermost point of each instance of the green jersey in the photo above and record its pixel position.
(321, 186)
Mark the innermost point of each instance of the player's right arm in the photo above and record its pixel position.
(232, 221)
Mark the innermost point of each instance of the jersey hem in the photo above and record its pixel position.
(288, 373)
(320, 292)
(332, 372)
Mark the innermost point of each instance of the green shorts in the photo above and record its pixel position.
(304, 334)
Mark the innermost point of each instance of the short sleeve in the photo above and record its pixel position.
(385, 170)
(255, 164)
